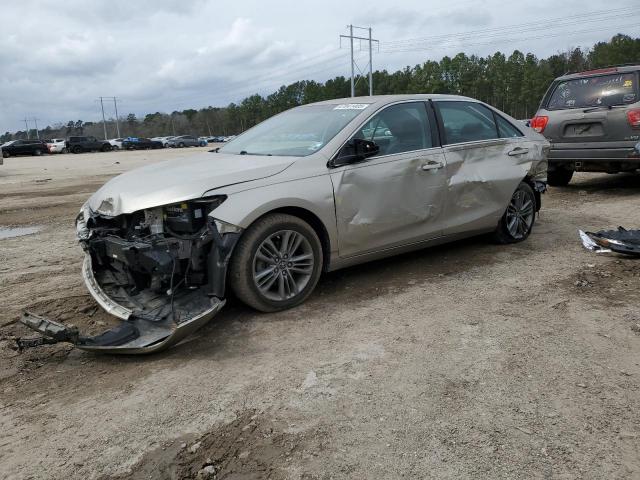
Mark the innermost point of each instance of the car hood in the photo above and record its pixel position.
(181, 179)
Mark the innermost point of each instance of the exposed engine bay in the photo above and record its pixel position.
(161, 270)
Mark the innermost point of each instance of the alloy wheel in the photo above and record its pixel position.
(520, 213)
(283, 265)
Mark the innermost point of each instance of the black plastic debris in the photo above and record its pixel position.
(621, 240)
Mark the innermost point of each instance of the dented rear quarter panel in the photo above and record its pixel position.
(482, 176)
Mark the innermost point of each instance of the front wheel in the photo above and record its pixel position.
(37, 152)
(5, 154)
(77, 149)
(64, 150)
(276, 264)
(517, 221)
(116, 148)
(106, 148)
(559, 177)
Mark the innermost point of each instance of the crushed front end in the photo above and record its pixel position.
(160, 270)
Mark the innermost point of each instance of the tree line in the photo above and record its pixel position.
(514, 84)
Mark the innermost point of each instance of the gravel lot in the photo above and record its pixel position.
(469, 360)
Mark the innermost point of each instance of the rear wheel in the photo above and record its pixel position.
(276, 264)
(64, 150)
(517, 221)
(5, 154)
(37, 152)
(115, 147)
(77, 149)
(106, 148)
(560, 177)
(181, 145)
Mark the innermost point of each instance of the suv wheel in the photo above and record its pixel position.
(106, 148)
(181, 145)
(560, 177)
(5, 154)
(276, 263)
(517, 221)
(77, 149)
(37, 152)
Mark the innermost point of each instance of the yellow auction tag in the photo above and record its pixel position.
(628, 83)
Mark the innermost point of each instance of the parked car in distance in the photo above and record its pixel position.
(24, 147)
(311, 190)
(87, 144)
(140, 143)
(56, 145)
(592, 120)
(116, 143)
(1, 156)
(184, 141)
(203, 141)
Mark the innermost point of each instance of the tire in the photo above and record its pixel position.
(115, 148)
(559, 177)
(37, 152)
(181, 145)
(77, 149)
(64, 150)
(246, 264)
(106, 148)
(518, 219)
(5, 154)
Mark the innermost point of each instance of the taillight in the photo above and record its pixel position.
(539, 123)
(633, 117)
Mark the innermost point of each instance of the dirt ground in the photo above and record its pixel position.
(469, 360)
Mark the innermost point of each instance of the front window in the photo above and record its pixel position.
(604, 90)
(399, 128)
(297, 133)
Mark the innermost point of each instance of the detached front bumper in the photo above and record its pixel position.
(134, 335)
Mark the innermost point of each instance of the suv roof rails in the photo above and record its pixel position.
(603, 68)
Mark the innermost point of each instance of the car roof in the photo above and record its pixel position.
(385, 99)
(600, 71)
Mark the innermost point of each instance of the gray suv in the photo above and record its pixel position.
(184, 141)
(592, 120)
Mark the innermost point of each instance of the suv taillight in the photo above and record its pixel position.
(539, 123)
(633, 117)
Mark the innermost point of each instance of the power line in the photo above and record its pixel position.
(354, 65)
(502, 40)
(553, 22)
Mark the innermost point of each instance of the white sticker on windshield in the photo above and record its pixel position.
(351, 106)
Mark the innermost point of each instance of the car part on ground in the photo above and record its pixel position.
(592, 120)
(621, 240)
(317, 188)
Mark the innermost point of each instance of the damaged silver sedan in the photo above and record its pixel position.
(316, 188)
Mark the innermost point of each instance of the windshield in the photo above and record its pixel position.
(298, 132)
(604, 90)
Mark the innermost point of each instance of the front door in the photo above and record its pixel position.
(396, 197)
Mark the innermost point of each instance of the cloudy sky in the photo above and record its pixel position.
(57, 58)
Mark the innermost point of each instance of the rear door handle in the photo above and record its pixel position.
(518, 151)
(432, 165)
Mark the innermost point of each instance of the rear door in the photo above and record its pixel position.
(591, 112)
(485, 155)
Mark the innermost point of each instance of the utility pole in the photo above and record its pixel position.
(35, 120)
(104, 122)
(115, 106)
(26, 126)
(354, 64)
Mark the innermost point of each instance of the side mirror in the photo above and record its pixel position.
(355, 150)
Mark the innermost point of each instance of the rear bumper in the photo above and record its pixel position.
(593, 159)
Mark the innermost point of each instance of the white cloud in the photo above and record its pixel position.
(160, 55)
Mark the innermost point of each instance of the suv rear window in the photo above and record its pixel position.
(605, 90)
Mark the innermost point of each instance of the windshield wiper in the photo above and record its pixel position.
(244, 152)
(608, 107)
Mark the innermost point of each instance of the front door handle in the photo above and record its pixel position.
(518, 151)
(432, 165)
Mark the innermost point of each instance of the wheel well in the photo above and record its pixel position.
(529, 181)
(315, 223)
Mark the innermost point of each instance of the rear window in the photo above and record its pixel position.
(605, 90)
